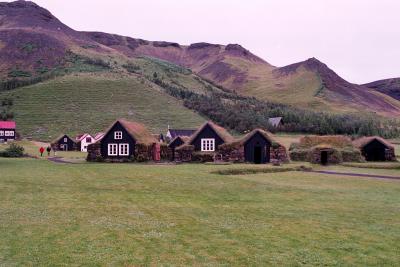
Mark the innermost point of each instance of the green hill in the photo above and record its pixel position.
(89, 102)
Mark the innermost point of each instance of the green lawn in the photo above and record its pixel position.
(129, 214)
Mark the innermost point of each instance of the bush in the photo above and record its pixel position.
(13, 151)
(140, 158)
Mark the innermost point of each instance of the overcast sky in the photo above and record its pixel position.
(359, 39)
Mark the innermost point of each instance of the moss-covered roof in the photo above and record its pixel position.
(334, 141)
(59, 137)
(136, 130)
(363, 141)
(220, 131)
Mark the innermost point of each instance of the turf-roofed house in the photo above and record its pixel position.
(214, 143)
(125, 141)
(203, 144)
(64, 143)
(257, 147)
(7, 131)
(375, 148)
(325, 150)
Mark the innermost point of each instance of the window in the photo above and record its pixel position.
(9, 133)
(208, 144)
(1, 133)
(118, 135)
(88, 139)
(112, 149)
(124, 149)
(65, 139)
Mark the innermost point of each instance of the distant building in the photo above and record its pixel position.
(83, 141)
(375, 148)
(7, 131)
(173, 133)
(276, 122)
(64, 143)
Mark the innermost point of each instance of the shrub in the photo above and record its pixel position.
(13, 151)
(140, 158)
(99, 158)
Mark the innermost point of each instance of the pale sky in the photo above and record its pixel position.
(359, 39)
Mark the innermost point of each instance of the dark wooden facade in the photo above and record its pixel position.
(206, 132)
(64, 143)
(178, 141)
(374, 151)
(257, 149)
(109, 138)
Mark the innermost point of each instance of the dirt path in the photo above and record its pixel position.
(358, 175)
(59, 160)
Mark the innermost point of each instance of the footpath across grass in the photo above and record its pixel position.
(139, 214)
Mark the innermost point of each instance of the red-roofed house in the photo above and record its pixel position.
(7, 130)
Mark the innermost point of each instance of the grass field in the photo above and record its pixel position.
(90, 102)
(129, 214)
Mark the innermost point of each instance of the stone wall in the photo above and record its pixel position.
(390, 154)
(184, 154)
(279, 154)
(334, 156)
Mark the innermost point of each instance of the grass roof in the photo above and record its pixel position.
(220, 131)
(334, 141)
(363, 141)
(137, 131)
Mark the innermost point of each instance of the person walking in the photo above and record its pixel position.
(41, 150)
(48, 149)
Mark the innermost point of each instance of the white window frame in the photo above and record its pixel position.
(208, 144)
(112, 149)
(117, 135)
(1, 133)
(65, 139)
(9, 133)
(124, 149)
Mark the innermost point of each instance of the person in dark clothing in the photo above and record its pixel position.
(48, 149)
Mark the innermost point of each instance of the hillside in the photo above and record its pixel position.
(89, 102)
(33, 41)
(390, 87)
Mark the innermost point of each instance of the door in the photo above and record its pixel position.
(257, 155)
(324, 157)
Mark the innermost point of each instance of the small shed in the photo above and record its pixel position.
(256, 147)
(375, 148)
(276, 122)
(329, 149)
(176, 142)
(64, 143)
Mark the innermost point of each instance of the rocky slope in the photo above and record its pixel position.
(390, 87)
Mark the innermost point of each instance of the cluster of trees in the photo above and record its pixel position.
(5, 109)
(243, 114)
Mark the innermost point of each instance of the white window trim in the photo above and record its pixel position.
(121, 149)
(1, 133)
(117, 135)
(112, 149)
(8, 133)
(65, 139)
(208, 144)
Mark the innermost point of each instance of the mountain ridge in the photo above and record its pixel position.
(33, 40)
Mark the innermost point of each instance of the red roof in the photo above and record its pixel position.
(7, 124)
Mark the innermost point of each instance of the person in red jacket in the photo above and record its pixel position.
(41, 150)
